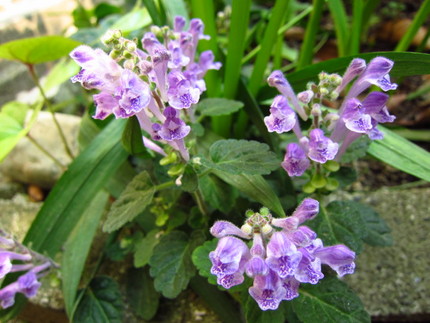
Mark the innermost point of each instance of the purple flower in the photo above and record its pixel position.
(339, 257)
(295, 161)
(277, 79)
(228, 261)
(355, 68)
(257, 266)
(7, 295)
(307, 210)
(173, 128)
(181, 93)
(282, 118)
(282, 255)
(207, 62)
(28, 284)
(291, 286)
(5, 265)
(302, 236)
(268, 291)
(321, 148)
(224, 228)
(179, 23)
(309, 269)
(376, 73)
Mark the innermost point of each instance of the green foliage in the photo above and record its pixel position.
(356, 150)
(136, 197)
(217, 193)
(190, 181)
(135, 19)
(241, 157)
(218, 106)
(340, 223)
(345, 176)
(132, 137)
(330, 300)
(38, 49)
(253, 313)
(145, 247)
(101, 301)
(141, 294)
(202, 262)
(402, 154)
(171, 264)
(77, 248)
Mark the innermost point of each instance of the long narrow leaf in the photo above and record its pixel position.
(356, 28)
(337, 10)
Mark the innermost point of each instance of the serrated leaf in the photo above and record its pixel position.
(145, 248)
(378, 232)
(38, 49)
(256, 188)
(254, 314)
(340, 223)
(171, 264)
(136, 197)
(217, 193)
(101, 302)
(241, 157)
(77, 247)
(141, 294)
(401, 154)
(218, 106)
(329, 301)
(202, 262)
(357, 149)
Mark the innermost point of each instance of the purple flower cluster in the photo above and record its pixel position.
(283, 255)
(354, 118)
(153, 84)
(27, 283)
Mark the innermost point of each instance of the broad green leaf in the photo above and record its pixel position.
(145, 248)
(202, 262)
(254, 314)
(141, 294)
(356, 150)
(77, 247)
(171, 264)
(340, 223)
(16, 110)
(217, 193)
(75, 190)
(331, 300)
(60, 73)
(101, 302)
(38, 49)
(345, 176)
(401, 154)
(134, 20)
(190, 181)
(378, 232)
(132, 137)
(256, 188)
(218, 106)
(241, 157)
(405, 64)
(133, 201)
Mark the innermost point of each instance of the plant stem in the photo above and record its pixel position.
(47, 153)
(201, 203)
(48, 105)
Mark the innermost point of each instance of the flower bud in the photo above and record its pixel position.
(266, 229)
(318, 181)
(331, 165)
(332, 184)
(308, 188)
(246, 228)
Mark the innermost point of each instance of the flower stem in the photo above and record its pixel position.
(49, 106)
(46, 152)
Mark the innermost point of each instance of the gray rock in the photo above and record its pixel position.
(28, 164)
(394, 280)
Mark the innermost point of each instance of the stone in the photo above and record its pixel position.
(26, 163)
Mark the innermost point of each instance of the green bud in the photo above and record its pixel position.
(264, 211)
(130, 46)
(127, 54)
(324, 91)
(169, 159)
(331, 165)
(115, 54)
(249, 213)
(308, 188)
(176, 170)
(318, 181)
(116, 33)
(332, 184)
(156, 30)
(322, 76)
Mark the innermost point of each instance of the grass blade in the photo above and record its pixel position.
(337, 10)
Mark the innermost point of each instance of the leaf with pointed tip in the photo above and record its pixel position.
(218, 106)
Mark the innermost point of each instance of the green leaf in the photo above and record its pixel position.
(132, 137)
(340, 223)
(356, 150)
(378, 232)
(134, 20)
(133, 201)
(241, 157)
(141, 294)
(60, 73)
(405, 64)
(38, 49)
(254, 314)
(175, 8)
(218, 106)
(202, 262)
(77, 247)
(190, 181)
(217, 193)
(75, 190)
(256, 188)
(401, 154)
(145, 248)
(331, 300)
(101, 302)
(171, 264)
(345, 176)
